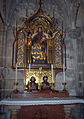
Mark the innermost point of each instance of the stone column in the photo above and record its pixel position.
(14, 111)
(67, 110)
(73, 36)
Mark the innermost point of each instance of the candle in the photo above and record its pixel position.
(29, 72)
(16, 72)
(24, 78)
(64, 66)
(52, 73)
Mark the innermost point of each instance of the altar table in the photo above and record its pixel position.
(41, 108)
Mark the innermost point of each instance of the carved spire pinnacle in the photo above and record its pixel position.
(40, 3)
(26, 12)
(53, 13)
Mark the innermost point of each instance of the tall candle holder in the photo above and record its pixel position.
(29, 90)
(64, 88)
(40, 74)
(53, 86)
(39, 86)
(15, 87)
(52, 73)
(29, 71)
(25, 87)
(29, 86)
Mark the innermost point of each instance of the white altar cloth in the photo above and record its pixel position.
(42, 101)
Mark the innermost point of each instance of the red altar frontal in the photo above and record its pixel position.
(40, 110)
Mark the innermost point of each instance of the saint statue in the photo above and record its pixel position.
(45, 84)
(42, 36)
(38, 43)
(33, 84)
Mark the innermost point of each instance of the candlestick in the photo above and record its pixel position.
(15, 87)
(24, 78)
(52, 73)
(25, 87)
(64, 83)
(64, 66)
(40, 75)
(29, 71)
(16, 73)
(16, 83)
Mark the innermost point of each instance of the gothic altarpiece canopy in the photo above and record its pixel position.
(38, 42)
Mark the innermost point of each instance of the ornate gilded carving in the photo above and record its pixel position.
(38, 41)
(39, 75)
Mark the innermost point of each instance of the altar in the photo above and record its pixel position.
(41, 108)
(39, 51)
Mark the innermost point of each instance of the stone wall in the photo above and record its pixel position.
(77, 112)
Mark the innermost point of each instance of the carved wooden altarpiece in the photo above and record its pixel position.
(39, 42)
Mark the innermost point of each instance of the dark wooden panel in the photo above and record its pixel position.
(42, 112)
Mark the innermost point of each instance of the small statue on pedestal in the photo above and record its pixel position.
(32, 85)
(45, 84)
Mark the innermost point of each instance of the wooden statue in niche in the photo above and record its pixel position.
(45, 83)
(32, 84)
(38, 46)
(42, 42)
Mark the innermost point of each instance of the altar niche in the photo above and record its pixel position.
(39, 42)
(38, 75)
(38, 49)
